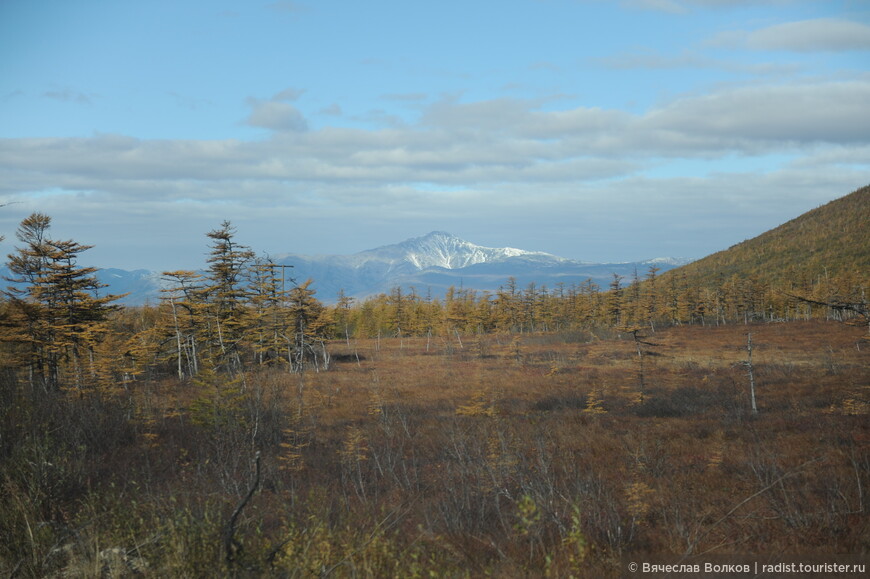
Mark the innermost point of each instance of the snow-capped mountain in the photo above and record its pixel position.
(440, 249)
(434, 250)
(434, 262)
(430, 264)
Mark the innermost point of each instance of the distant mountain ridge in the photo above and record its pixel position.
(435, 261)
(441, 249)
(140, 285)
(430, 263)
(833, 239)
(437, 249)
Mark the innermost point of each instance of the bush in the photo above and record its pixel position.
(682, 401)
(560, 402)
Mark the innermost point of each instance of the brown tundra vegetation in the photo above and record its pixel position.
(243, 429)
(547, 454)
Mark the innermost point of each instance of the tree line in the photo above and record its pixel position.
(641, 302)
(61, 330)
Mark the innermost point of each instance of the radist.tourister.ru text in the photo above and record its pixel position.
(755, 569)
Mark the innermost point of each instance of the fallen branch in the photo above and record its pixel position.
(743, 502)
(231, 546)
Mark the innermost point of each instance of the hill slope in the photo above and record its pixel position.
(833, 240)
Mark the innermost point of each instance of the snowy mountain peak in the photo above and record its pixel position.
(433, 262)
(444, 250)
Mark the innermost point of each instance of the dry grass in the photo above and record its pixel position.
(496, 455)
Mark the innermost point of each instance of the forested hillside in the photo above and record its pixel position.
(830, 241)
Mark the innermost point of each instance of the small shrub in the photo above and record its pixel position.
(560, 402)
(683, 401)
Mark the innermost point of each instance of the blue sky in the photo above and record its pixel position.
(596, 130)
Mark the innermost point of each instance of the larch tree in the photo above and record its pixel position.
(309, 325)
(341, 316)
(635, 301)
(614, 301)
(227, 294)
(397, 314)
(649, 298)
(507, 306)
(529, 303)
(267, 296)
(587, 303)
(56, 314)
(482, 316)
(458, 304)
(183, 306)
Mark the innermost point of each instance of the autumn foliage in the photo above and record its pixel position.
(243, 428)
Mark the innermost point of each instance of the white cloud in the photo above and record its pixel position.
(504, 157)
(854, 158)
(289, 94)
(652, 60)
(818, 35)
(276, 116)
(833, 112)
(480, 142)
(498, 115)
(826, 34)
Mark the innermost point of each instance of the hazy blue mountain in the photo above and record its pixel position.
(431, 264)
(140, 285)
(434, 262)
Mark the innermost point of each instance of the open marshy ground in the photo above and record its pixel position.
(507, 455)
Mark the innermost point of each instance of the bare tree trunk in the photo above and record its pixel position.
(641, 370)
(751, 375)
(177, 338)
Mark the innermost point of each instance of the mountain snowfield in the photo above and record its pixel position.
(434, 262)
(430, 264)
(440, 249)
(437, 249)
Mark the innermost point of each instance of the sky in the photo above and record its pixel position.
(602, 131)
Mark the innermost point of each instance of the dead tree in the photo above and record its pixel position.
(641, 354)
(749, 370)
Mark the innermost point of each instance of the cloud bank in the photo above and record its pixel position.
(506, 158)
